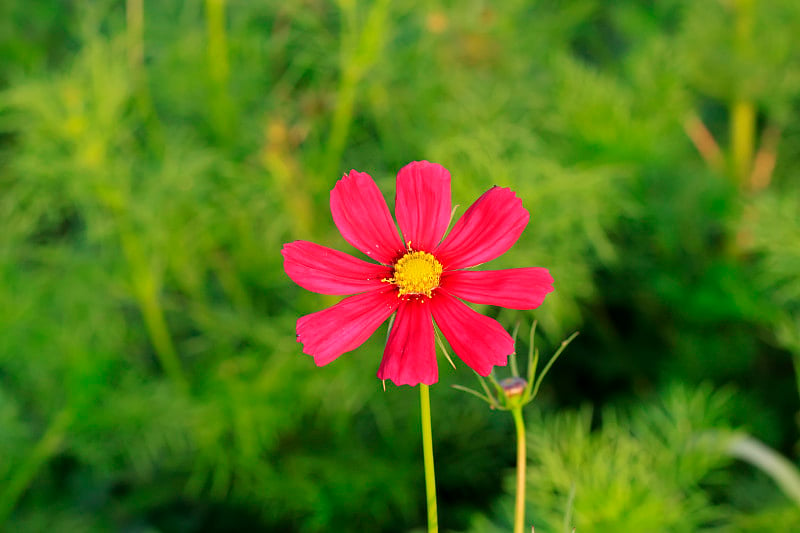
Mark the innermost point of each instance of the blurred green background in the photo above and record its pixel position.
(155, 156)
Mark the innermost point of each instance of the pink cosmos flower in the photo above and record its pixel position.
(418, 276)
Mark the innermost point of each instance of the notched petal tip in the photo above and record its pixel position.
(427, 167)
(355, 175)
(399, 382)
(486, 230)
(362, 216)
(513, 288)
(422, 203)
(410, 355)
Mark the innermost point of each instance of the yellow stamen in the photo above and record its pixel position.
(416, 273)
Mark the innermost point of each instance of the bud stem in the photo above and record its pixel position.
(519, 508)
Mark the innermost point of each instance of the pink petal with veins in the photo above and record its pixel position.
(360, 213)
(329, 333)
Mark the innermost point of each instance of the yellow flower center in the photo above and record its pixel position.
(416, 273)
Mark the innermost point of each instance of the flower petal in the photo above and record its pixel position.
(422, 204)
(479, 341)
(360, 213)
(489, 227)
(329, 333)
(328, 271)
(515, 288)
(410, 355)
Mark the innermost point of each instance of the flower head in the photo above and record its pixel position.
(418, 277)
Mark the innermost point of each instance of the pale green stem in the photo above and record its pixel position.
(780, 469)
(219, 69)
(519, 507)
(568, 512)
(743, 120)
(146, 289)
(743, 115)
(358, 52)
(25, 472)
(796, 360)
(134, 16)
(427, 451)
(342, 117)
(217, 41)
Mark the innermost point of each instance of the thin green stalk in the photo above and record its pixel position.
(427, 452)
(145, 287)
(25, 472)
(780, 469)
(743, 123)
(796, 359)
(568, 511)
(134, 16)
(743, 115)
(156, 325)
(219, 69)
(549, 364)
(217, 41)
(519, 507)
(359, 50)
(342, 117)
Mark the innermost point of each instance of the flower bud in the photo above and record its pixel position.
(513, 386)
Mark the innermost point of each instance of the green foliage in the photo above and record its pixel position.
(150, 172)
(655, 467)
(638, 472)
(776, 239)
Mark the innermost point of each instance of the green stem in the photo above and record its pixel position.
(219, 69)
(427, 451)
(146, 288)
(519, 508)
(780, 469)
(134, 14)
(359, 50)
(796, 359)
(156, 325)
(342, 117)
(217, 41)
(39, 455)
(743, 115)
(743, 121)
